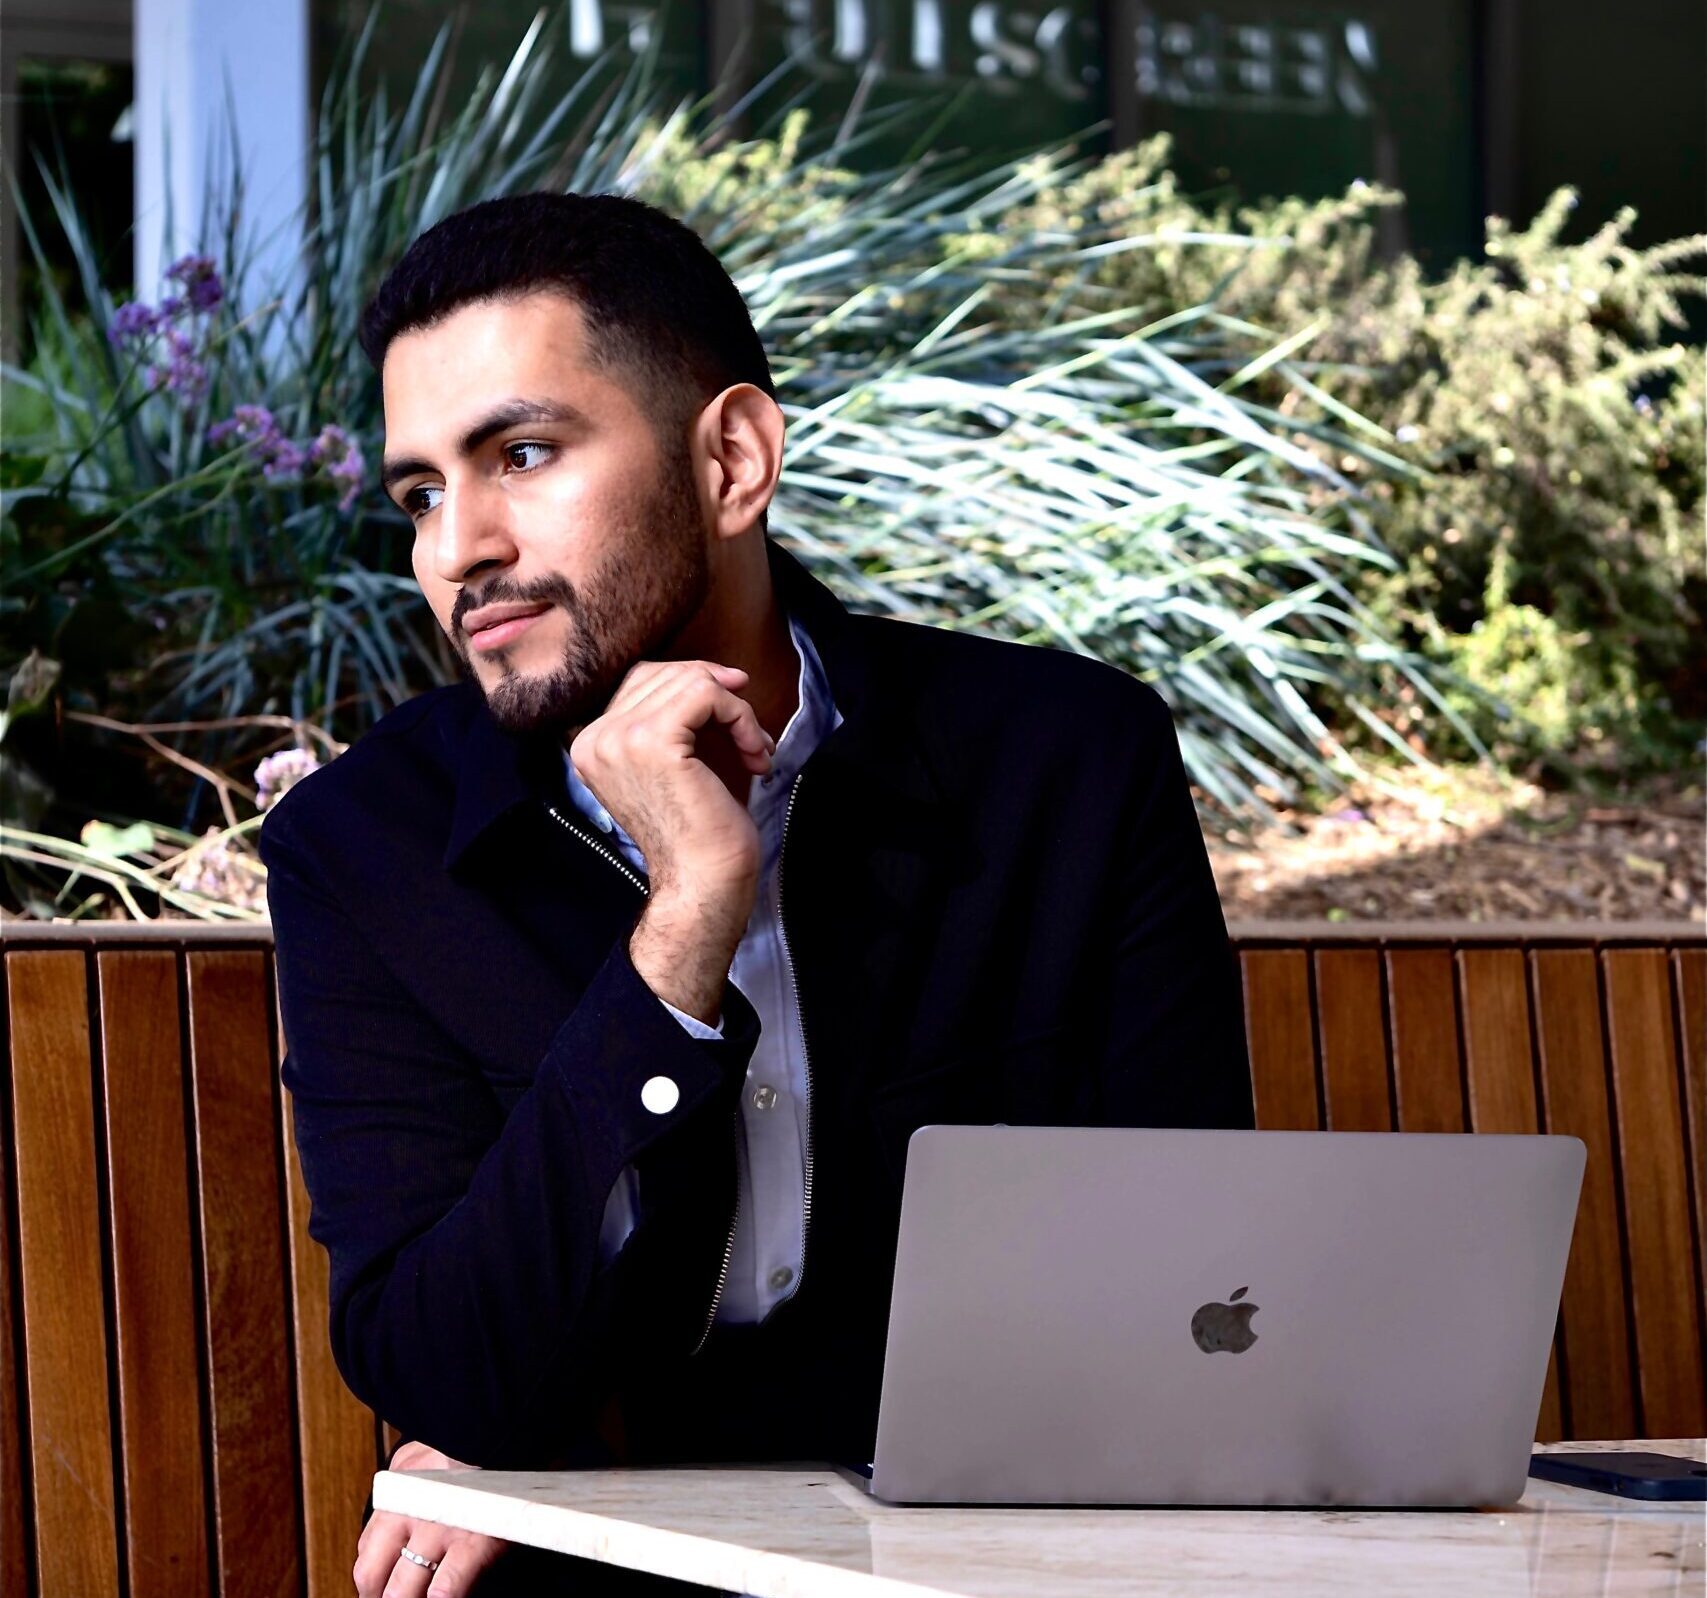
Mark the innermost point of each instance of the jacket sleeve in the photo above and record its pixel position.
(469, 1303)
(1175, 1052)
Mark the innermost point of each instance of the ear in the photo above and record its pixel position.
(737, 443)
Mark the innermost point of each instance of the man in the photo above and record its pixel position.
(616, 976)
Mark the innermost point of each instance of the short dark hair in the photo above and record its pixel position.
(657, 303)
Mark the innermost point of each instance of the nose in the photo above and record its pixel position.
(472, 531)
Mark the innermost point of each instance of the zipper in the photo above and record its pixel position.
(735, 1216)
(805, 1052)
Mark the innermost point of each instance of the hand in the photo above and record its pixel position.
(655, 760)
(381, 1571)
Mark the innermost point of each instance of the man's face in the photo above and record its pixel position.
(535, 478)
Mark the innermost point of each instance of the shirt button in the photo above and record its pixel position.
(781, 1277)
(763, 1097)
(659, 1094)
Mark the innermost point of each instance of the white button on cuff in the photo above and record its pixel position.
(659, 1094)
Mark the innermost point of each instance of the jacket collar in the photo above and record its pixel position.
(876, 741)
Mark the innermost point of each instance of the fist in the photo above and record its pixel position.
(381, 1571)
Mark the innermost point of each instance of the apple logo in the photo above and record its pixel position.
(1218, 1327)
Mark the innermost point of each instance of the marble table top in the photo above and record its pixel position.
(802, 1531)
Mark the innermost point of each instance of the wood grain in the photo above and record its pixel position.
(1354, 1040)
(14, 1525)
(160, 1405)
(1601, 1396)
(1499, 1060)
(242, 1221)
(1281, 1037)
(59, 1261)
(1689, 984)
(336, 1429)
(1649, 1115)
(1428, 1070)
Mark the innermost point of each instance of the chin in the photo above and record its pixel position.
(529, 703)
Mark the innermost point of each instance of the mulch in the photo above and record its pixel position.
(1461, 846)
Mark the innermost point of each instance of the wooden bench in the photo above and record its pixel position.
(164, 1364)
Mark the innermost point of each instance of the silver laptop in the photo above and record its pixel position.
(1107, 1315)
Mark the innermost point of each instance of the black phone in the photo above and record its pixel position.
(1629, 1475)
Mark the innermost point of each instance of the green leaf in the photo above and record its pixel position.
(114, 843)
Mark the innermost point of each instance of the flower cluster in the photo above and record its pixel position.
(216, 869)
(153, 330)
(340, 457)
(333, 452)
(278, 773)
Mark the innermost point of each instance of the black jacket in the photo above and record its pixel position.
(999, 907)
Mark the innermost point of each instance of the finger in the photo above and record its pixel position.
(649, 678)
(467, 1556)
(697, 702)
(376, 1551)
(408, 1579)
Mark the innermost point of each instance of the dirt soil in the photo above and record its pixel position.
(1456, 845)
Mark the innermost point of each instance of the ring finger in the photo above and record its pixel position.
(410, 1579)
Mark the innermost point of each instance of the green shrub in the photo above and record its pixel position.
(1541, 396)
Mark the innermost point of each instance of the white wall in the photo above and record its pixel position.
(192, 58)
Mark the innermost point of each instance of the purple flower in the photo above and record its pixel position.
(202, 287)
(279, 772)
(276, 455)
(340, 457)
(333, 452)
(132, 323)
(254, 420)
(183, 374)
(281, 459)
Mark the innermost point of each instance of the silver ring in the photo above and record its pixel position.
(415, 1559)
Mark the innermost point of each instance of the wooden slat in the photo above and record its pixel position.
(1601, 1391)
(1689, 980)
(59, 1260)
(1354, 1040)
(1281, 1039)
(153, 1275)
(254, 1464)
(1428, 1073)
(1499, 1057)
(337, 1431)
(14, 1532)
(1656, 1193)
(1499, 1062)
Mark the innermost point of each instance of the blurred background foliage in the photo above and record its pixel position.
(1332, 507)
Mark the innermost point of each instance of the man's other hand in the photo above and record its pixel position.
(381, 1571)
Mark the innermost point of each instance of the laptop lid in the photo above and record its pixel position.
(1171, 1316)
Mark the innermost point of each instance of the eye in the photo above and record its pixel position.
(416, 502)
(518, 455)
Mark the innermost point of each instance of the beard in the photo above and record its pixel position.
(630, 609)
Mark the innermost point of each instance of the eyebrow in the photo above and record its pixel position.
(512, 413)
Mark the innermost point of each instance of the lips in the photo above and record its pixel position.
(502, 614)
(501, 633)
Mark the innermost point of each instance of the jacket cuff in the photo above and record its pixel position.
(635, 1073)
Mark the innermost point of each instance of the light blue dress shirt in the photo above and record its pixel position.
(769, 1231)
